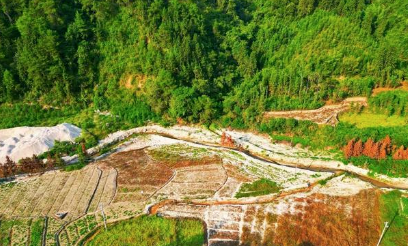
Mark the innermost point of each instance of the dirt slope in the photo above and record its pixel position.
(325, 115)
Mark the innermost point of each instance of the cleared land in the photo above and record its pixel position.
(171, 178)
(324, 115)
(403, 86)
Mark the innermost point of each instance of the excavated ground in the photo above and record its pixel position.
(325, 115)
(317, 219)
(175, 178)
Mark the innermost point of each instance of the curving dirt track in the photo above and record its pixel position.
(325, 115)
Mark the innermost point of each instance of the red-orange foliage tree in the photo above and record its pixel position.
(399, 154)
(358, 148)
(375, 150)
(387, 143)
(27, 165)
(32, 165)
(226, 140)
(368, 146)
(9, 168)
(385, 148)
(223, 136)
(83, 148)
(348, 149)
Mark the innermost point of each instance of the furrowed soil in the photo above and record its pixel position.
(178, 179)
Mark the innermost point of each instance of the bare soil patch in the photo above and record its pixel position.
(403, 86)
(325, 115)
(330, 220)
(136, 168)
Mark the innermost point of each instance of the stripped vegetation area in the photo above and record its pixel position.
(315, 219)
(242, 200)
(325, 115)
(122, 185)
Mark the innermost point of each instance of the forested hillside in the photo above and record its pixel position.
(200, 59)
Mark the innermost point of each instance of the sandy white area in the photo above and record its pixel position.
(151, 140)
(21, 142)
(339, 186)
(197, 134)
(342, 186)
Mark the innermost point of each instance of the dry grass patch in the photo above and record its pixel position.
(320, 220)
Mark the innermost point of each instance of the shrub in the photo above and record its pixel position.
(258, 188)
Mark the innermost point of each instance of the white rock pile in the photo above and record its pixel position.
(22, 142)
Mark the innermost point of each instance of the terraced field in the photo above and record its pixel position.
(195, 182)
(45, 197)
(55, 192)
(70, 203)
(187, 180)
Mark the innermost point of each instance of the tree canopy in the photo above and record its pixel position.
(200, 60)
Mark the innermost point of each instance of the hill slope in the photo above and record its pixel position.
(199, 60)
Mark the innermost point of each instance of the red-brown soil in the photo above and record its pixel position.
(403, 86)
(140, 176)
(137, 168)
(322, 220)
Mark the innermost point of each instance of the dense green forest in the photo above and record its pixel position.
(199, 60)
(390, 103)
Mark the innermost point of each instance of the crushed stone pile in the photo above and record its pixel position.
(22, 142)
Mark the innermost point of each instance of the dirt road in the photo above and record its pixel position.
(325, 115)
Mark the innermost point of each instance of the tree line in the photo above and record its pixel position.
(49, 160)
(375, 150)
(29, 165)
